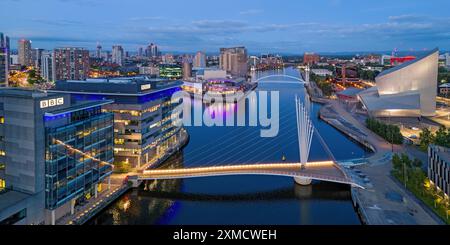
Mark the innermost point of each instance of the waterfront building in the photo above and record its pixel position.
(209, 73)
(407, 90)
(25, 56)
(199, 60)
(117, 55)
(310, 58)
(349, 95)
(47, 67)
(234, 61)
(144, 131)
(4, 60)
(439, 167)
(170, 71)
(42, 173)
(71, 63)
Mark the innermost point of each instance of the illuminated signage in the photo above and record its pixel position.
(52, 102)
(146, 86)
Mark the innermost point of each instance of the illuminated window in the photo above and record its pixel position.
(2, 120)
(2, 184)
(2, 153)
(119, 141)
(2, 166)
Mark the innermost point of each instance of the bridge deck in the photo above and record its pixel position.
(326, 171)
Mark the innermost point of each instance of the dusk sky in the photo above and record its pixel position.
(262, 26)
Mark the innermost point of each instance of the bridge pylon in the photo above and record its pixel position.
(305, 131)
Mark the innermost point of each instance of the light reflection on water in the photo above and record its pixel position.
(243, 199)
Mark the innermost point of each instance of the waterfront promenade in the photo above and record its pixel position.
(384, 201)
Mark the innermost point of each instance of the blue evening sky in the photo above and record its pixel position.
(282, 26)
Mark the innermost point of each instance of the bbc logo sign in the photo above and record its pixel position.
(52, 102)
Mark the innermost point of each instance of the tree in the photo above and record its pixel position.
(442, 137)
(417, 163)
(397, 163)
(406, 160)
(426, 138)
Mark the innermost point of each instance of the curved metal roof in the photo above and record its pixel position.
(399, 67)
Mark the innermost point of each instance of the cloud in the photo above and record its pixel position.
(55, 22)
(251, 12)
(144, 18)
(407, 18)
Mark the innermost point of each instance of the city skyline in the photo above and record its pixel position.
(262, 26)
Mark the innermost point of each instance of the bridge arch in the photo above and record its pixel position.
(298, 80)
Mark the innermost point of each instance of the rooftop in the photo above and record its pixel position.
(79, 106)
(399, 67)
(10, 198)
(23, 93)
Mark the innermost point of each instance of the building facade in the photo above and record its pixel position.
(36, 57)
(117, 55)
(4, 60)
(310, 58)
(55, 154)
(71, 63)
(199, 60)
(47, 66)
(234, 61)
(25, 56)
(170, 71)
(407, 90)
(439, 167)
(144, 132)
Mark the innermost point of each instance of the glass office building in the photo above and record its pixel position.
(144, 134)
(54, 153)
(70, 173)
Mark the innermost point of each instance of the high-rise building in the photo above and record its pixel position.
(187, 68)
(144, 130)
(140, 52)
(199, 60)
(47, 66)
(36, 56)
(25, 56)
(234, 61)
(4, 60)
(43, 177)
(310, 58)
(98, 53)
(71, 63)
(152, 50)
(447, 59)
(117, 55)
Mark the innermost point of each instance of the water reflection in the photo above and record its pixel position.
(245, 199)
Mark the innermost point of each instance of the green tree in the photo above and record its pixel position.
(426, 138)
(441, 137)
(417, 163)
(397, 163)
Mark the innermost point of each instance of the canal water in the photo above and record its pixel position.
(244, 199)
